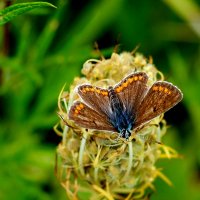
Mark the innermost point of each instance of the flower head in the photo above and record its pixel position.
(94, 161)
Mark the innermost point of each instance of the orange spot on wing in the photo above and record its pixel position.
(118, 89)
(92, 89)
(87, 89)
(155, 88)
(81, 106)
(130, 80)
(124, 85)
(161, 88)
(78, 108)
(140, 78)
(135, 78)
(104, 93)
(98, 91)
(83, 90)
(166, 90)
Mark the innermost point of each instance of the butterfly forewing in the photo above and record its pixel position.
(86, 117)
(96, 98)
(131, 90)
(161, 97)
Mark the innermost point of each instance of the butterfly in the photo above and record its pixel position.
(124, 107)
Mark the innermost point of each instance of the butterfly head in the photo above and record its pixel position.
(125, 133)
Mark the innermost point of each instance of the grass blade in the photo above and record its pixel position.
(11, 12)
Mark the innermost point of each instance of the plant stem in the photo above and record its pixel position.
(81, 151)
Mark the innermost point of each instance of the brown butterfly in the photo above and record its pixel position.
(124, 107)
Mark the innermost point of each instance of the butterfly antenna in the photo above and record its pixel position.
(62, 118)
(116, 48)
(96, 46)
(159, 142)
(135, 49)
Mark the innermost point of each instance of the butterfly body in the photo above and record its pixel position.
(120, 118)
(123, 107)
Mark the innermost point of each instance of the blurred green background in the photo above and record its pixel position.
(46, 47)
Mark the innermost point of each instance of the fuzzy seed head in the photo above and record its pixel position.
(94, 162)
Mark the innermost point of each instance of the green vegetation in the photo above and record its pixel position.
(44, 45)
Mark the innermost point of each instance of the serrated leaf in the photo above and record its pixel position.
(11, 12)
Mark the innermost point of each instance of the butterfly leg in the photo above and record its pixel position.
(127, 134)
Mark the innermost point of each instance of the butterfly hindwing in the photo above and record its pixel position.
(86, 117)
(161, 97)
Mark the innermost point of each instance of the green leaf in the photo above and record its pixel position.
(11, 12)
